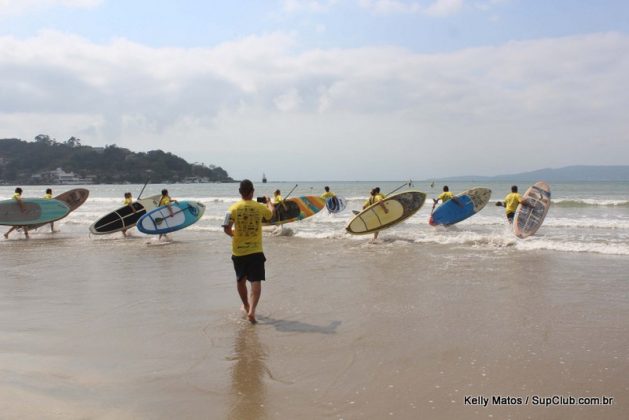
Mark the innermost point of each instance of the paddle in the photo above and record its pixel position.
(141, 191)
(290, 192)
(409, 183)
(160, 220)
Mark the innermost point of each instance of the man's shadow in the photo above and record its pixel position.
(298, 326)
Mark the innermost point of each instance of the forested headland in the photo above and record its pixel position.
(44, 159)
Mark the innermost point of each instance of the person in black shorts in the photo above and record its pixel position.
(243, 222)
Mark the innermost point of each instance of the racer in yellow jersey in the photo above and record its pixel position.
(375, 197)
(17, 196)
(511, 202)
(165, 200)
(128, 201)
(48, 196)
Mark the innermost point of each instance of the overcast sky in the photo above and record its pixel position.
(325, 89)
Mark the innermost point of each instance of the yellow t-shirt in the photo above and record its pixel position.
(445, 196)
(16, 196)
(165, 200)
(277, 199)
(47, 196)
(511, 202)
(127, 201)
(247, 217)
(327, 195)
(373, 200)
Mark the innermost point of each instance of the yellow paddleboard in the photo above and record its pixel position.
(386, 213)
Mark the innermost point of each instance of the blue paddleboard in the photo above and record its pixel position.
(159, 221)
(35, 211)
(467, 204)
(335, 204)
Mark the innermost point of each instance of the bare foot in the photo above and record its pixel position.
(244, 309)
(252, 318)
(6, 236)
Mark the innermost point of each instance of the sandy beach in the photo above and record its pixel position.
(121, 329)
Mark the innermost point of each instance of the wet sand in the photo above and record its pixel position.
(118, 329)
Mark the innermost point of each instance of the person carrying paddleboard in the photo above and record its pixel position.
(278, 199)
(17, 196)
(446, 195)
(510, 203)
(329, 194)
(128, 201)
(375, 197)
(48, 196)
(165, 200)
(243, 222)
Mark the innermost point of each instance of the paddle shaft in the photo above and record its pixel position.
(159, 220)
(141, 191)
(400, 187)
(290, 192)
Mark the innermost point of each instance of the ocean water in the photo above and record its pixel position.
(590, 217)
(107, 327)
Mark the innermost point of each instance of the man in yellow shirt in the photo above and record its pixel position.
(511, 202)
(128, 201)
(17, 196)
(243, 222)
(374, 198)
(165, 200)
(327, 194)
(48, 196)
(444, 196)
(333, 205)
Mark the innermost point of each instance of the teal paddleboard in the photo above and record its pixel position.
(35, 211)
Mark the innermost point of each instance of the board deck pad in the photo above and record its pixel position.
(124, 217)
(399, 207)
(528, 218)
(296, 208)
(467, 204)
(36, 211)
(160, 220)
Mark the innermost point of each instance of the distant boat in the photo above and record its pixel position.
(263, 178)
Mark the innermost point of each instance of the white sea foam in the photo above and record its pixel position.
(568, 246)
(588, 202)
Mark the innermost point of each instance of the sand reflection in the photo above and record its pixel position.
(248, 391)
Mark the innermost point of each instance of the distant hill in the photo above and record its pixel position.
(565, 174)
(46, 161)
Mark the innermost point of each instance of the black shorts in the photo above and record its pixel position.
(510, 217)
(250, 266)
